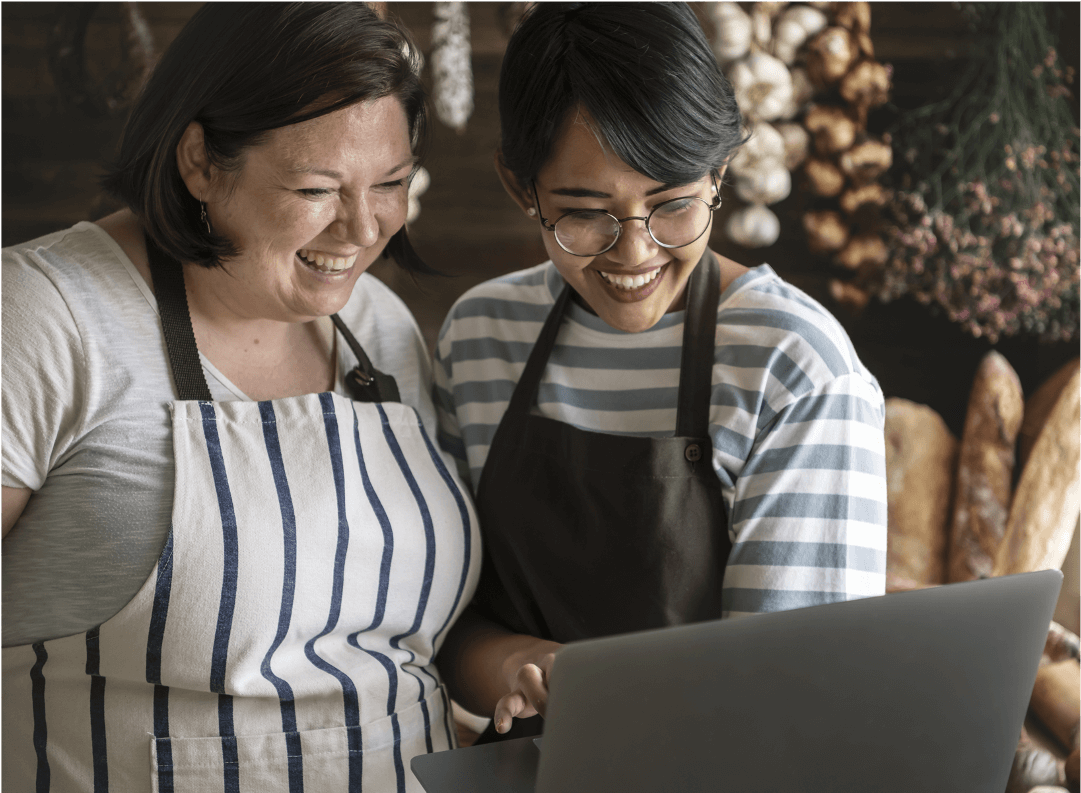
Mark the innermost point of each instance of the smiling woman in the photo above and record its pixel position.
(655, 434)
(231, 549)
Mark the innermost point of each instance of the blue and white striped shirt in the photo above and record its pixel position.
(795, 418)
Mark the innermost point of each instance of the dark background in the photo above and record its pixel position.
(58, 133)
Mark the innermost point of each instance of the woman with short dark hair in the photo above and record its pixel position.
(655, 434)
(230, 548)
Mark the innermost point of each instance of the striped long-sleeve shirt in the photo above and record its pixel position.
(795, 419)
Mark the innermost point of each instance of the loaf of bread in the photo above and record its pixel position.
(985, 469)
(1056, 700)
(1038, 407)
(1047, 501)
(921, 458)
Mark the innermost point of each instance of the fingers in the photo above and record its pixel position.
(513, 705)
(533, 683)
(528, 699)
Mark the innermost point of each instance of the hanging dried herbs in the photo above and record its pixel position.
(984, 224)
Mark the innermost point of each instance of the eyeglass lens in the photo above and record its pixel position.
(672, 224)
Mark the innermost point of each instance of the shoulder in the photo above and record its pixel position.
(521, 295)
(75, 263)
(769, 324)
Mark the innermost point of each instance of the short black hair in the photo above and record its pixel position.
(645, 74)
(242, 70)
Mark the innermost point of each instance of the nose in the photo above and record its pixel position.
(634, 246)
(357, 222)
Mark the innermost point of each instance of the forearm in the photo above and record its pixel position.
(479, 661)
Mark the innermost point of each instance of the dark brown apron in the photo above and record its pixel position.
(589, 534)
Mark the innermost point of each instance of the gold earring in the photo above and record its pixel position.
(531, 212)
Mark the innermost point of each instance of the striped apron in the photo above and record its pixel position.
(319, 550)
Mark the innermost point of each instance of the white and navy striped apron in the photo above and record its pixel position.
(319, 550)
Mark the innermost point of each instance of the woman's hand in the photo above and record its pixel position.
(488, 669)
(526, 672)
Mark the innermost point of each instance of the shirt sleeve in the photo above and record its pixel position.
(808, 518)
(448, 433)
(43, 377)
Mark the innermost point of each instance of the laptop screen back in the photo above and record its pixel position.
(895, 693)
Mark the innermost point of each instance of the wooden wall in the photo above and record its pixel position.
(54, 149)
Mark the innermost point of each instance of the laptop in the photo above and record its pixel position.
(921, 690)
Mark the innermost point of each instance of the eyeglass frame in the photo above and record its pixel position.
(713, 207)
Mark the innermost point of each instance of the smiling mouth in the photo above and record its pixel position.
(628, 283)
(325, 262)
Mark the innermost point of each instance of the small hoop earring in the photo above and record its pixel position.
(203, 217)
(531, 212)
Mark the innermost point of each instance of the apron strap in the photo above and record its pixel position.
(696, 360)
(525, 393)
(167, 276)
(364, 382)
(699, 336)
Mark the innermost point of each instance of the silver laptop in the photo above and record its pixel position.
(911, 691)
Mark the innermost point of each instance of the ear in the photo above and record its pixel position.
(523, 197)
(193, 164)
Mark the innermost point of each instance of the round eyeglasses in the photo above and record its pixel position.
(672, 224)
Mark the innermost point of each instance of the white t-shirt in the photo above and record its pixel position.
(86, 389)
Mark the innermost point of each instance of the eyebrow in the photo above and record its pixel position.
(301, 169)
(580, 192)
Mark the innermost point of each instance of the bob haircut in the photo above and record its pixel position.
(645, 74)
(242, 70)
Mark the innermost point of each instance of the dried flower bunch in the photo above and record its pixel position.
(984, 224)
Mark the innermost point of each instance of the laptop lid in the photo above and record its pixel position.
(912, 691)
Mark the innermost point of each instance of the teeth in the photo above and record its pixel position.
(330, 264)
(629, 281)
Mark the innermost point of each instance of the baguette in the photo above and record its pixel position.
(1046, 503)
(921, 458)
(1039, 406)
(985, 469)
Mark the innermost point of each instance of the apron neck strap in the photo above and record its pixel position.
(364, 382)
(525, 393)
(696, 361)
(699, 336)
(167, 276)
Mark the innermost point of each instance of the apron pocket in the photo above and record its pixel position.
(373, 755)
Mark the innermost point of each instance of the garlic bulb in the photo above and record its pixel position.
(867, 160)
(830, 54)
(753, 226)
(769, 183)
(826, 231)
(872, 193)
(765, 143)
(809, 18)
(863, 249)
(823, 177)
(797, 143)
(762, 23)
(732, 31)
(802, 91)
(452, 70)
(867, 84)
(850, 296)
(833, 129)
(762, 85)
(796, 25)
(417, 185)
